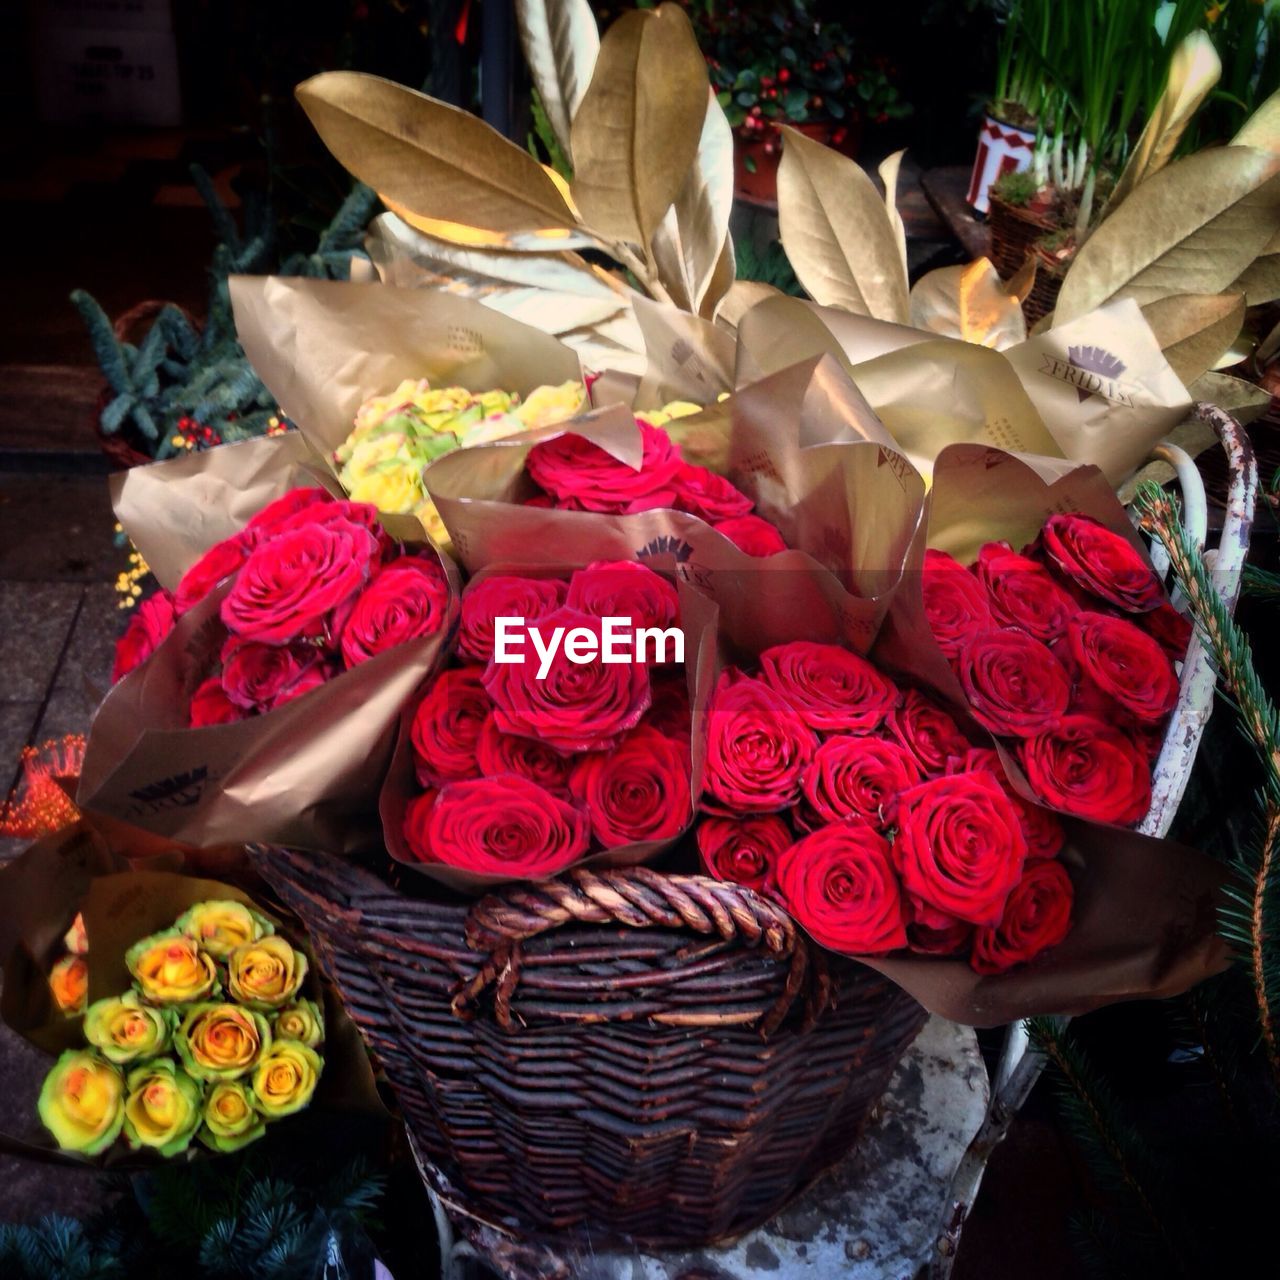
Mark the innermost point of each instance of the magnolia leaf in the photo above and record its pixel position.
(1262, 129)
(636, 133)
(1193, 71)
(1020, 284)
(1191, 228)
(689, 243)
(888, 172)
(740, 297)
(428, 157)
(722, 278)
(1260, 280)
(549, 240)
(836, 232)
(1242, 400)
(1194, 329)
(1269, 347)
(971, 303)
(560, 40)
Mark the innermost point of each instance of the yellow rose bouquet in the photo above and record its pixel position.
(214, 1041)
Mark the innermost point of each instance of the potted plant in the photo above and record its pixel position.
(777, 64)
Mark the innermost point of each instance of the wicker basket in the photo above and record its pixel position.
(635, 1055)
(1016, 232)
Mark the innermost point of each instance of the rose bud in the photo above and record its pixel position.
(832, 689)
(407, 601)
(498, 752)
(927, 731)
(446, 727)
(163, 1109)
(935, 933)
(69, 984)
(1022, 593)
(1125, 663)
(1036, 917)
(221, 1041)
(955, 603)
(219, 927)
(231, 1121)
(257, 677)
(743, 850)
(855, 777)
(82, 1102)
(300, 1021)
(286, 1078)
(839, 883)
(1103, 563)
(124, 1029)
(1014, 684)
(219, 562)
(1090, 769)
(152, 620)
(709, 496)
(503, 597)
(169, 968)
(573, 469)
(265, 974)
(637, 792)
(752, 534)
(210, 705)
(624, 589)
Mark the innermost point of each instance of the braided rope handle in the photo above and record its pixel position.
(639, 898)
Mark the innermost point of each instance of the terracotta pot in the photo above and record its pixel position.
(1002, 148)
(764, 147)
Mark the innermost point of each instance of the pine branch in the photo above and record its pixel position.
(1262, 583)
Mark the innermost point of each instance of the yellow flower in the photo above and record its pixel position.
(163, 1108)
(124, 1029)
(69, 982)
(230, 1119)
(169, 968)
(368, 455)
(302, 1021)
(673, 409)
(286, 1078)
(432, 522)
(221, 1041)
(547, 405)
(219, 927)
(265, 974)
(397, 489)
(82, 1102)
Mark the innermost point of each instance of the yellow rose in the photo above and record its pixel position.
(170, 968)
(220, 927)
(82, 1102)
(302, 1021)
(69, 982)
(368, 455)
(230, 1119)
(547, 405)
(265, 974)
(221, 1041)
(124, 1029)
(432, 523)
(163, 1108)
(286, 1078)
(673, 409)
(397, 489)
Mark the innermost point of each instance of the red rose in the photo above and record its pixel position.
(335, 513)
(670, 712)
(1102, 562)
(503, 597)
(934, 933)
(1125, 663)
(1036, 917)
(575, 471)
(833, 689)
(840, 885)
(955, 603)
(1022, 592)
(1043, 832)
(757, 746)
(498, 752)
(220, 561)
(960, 847)
(1169, 628)
(1015, 686)
(703, 493)
(576, 706)
(256, 676)
(1086, 767)
(417, 818)
(624, 589)
(927, 732)
(408, 600)
(858, 778)
(743, 850)
(152, 620)
(505, 826)
(210, 705)
(752, 534)
(311, 678)
(269, 520)
(638, 791)
(300, 584)
(446, 727)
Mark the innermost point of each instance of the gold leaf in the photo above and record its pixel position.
(1194, 329)
(780, 331)
(971, 303)
(1193, 71)
(1260, 280)
(1242, 400)
(888, 172)
(1191, 228)
(1262, 129)
(836, 232)
(560, 42)
(429, 157)
(636, 132)
(740, 297)
(689, 243)
(548, 240)
(1023, 280)
(722, 278)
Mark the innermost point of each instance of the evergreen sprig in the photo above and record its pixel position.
(1251, 919)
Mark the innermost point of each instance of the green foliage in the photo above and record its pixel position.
(1016, 188)
(542, 144)
(770, 267)
(58, 1248)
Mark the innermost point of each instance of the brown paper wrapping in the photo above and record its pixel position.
(698, 620)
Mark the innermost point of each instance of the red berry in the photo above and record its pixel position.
(766, 81)
(771, 93)
(783, 76)
(840, 135)
(755, 111)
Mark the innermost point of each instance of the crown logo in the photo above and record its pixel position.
(668, 545)
(181, 791)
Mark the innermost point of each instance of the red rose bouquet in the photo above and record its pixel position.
(866, 812)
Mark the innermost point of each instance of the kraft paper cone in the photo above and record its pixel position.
(698, 620)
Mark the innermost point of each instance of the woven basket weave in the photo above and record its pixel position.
(656, 1057)
(1015, 232)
